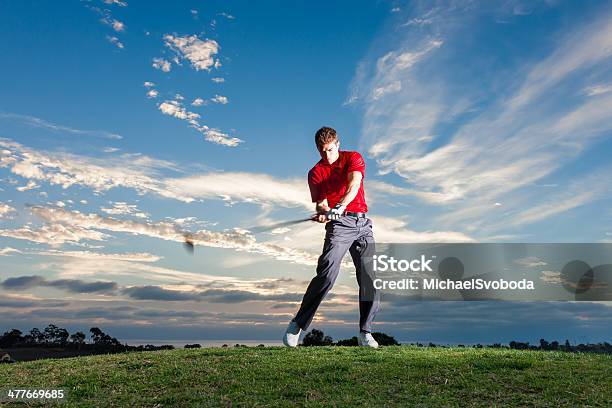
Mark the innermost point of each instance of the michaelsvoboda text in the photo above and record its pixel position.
(384, 263)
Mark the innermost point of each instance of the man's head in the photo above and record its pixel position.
(327, 144)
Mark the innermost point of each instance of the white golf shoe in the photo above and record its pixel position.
(366, 340)
(292, 335)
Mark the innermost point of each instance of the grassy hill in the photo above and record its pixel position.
(324, 376)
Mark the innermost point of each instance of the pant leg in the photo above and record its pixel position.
(338, 238)
(362, 251)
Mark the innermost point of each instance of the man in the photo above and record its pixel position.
(336, 186)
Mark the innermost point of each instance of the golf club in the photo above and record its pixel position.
(270, 227)
(188, 237)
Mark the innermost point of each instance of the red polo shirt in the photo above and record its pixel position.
(330, 181)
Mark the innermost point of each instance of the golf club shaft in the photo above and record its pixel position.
(264, 228)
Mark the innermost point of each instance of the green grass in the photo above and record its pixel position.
(324, 376)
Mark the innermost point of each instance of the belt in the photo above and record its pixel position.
(356, 214)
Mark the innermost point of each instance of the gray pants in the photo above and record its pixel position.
(347, 234)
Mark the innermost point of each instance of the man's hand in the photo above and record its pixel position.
(336, 212)
(322, 218)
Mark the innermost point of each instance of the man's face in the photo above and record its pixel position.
(329, 151)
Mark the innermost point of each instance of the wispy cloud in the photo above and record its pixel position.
(599, 89)
(41, 123)
(71, 285)
(478, 161)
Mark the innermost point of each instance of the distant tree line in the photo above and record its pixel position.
(57, 337)
(318, 338)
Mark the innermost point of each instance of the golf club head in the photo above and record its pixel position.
(188, 243)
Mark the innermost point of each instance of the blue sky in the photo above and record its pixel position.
(124, 122)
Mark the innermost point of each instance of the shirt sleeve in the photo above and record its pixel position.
(315, 183)
(356, 163)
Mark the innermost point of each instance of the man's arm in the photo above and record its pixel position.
(354, 181)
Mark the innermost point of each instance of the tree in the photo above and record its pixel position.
(61, 337)
(11, 338)
(51, 334)
(348, 342)
(78, 339)
(102, 339)
(384, 339)
(37, 336)
(317, 338)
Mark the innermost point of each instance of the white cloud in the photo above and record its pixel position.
(216, 136)
(388, 229)
(53, 234)
(72, 226)
(228, 16)
(6, 210)
(134, 171)
(98, 256)
(199, 52)
(218, 80)
(551, 277)
(220, 99)
(145, 175)
(598, 89)
(530, 262)
(115, 41)
(198, 102)
(244, 187)
(122, 208)
(9, 251)
(174, 108)
(118, 25)
(29, 186)
(160, 63)
(117, 2)
(148, 84)
(152, 93)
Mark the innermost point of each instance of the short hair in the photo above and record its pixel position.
(325, 135)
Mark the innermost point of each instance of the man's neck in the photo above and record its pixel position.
(335, 160)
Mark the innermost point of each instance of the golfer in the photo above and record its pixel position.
(336, 186)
